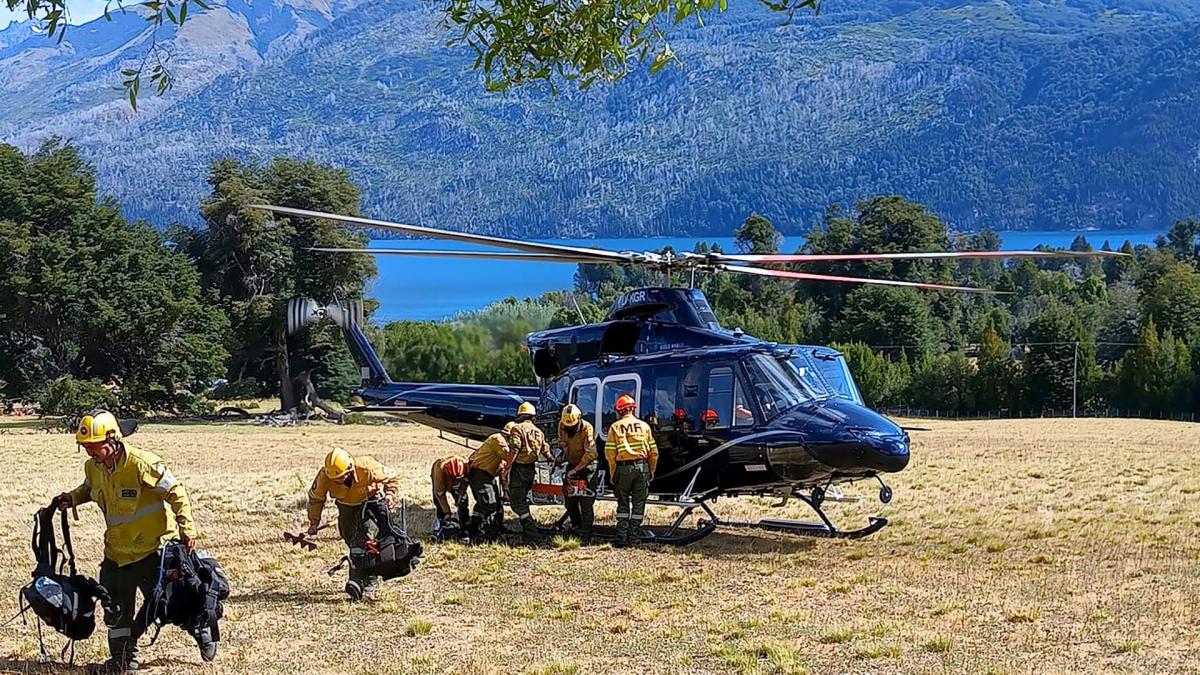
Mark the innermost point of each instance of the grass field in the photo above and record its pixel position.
(1015, 546)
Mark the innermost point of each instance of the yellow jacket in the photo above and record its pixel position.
(135, 498)
(580, 448)
(442, 485)
(630, 439)
(370, 478)
(528, 441)
(491, 456)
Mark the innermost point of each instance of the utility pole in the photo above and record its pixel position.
(1075, 382)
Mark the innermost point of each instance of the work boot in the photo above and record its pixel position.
(204, 640)
(372, 586)
(354, 590)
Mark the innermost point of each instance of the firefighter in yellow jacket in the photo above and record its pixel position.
(351, 482)
(144, 507)
(485, 468)
(577, 438)
(526, 443)
(633, 458)
(449, 478)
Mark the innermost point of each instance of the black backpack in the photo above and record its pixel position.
(392, 553)
(61, 597)
(189, 593)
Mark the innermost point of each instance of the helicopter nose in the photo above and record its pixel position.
(886, 450)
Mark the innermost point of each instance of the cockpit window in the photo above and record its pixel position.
(777, 389)
(829, 369)
(804, 367)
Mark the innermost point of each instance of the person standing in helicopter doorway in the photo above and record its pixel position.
(526, 444)
(577, 438)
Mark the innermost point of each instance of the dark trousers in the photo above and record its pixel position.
(581, 510)
(520, 483)
(123, 583)
(488, 515)
(462, 508)
(631, 485)
(353, 526)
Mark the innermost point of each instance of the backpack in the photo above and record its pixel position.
(60, 597)
(392, 553)
(189, 593)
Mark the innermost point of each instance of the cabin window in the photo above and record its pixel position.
(719, 412)
(584, 396)
(742, 415)
(666, 398)
(613, 388)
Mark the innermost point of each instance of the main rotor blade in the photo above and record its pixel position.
(959, 255)
(477, 255)
(782, 274)
(593, 255)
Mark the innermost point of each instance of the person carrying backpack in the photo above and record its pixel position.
(144, 507)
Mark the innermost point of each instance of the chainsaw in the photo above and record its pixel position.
(302, 539)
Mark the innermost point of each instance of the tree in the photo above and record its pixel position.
(1157, 374)
(758, 235)
(1173, 301)
(515, 43)
(1184, 241)
(995, 383)
(256, 262)
(1060, 361)
(885, 315)
(89, 296)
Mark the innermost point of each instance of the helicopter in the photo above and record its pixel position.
(732, 415)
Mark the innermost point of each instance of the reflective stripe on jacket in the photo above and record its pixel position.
(631, 439)
(144, 505)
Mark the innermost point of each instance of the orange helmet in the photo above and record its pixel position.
(455, 468)
(625, 402)
(709, 415)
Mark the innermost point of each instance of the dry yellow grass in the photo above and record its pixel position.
(1015, 546)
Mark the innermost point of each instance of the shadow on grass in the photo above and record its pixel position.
(16, 665)
(281, 596)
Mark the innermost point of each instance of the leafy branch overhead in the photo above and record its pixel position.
(55, 15)
(516, 42)
(521, 41)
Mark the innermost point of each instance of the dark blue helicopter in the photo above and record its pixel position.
(732, 415)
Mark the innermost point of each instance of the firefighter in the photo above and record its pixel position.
(449, 478)
(351, 482)
(144, 507)
(526, 444)
(633, 457)
(486, 467)
(577, 439)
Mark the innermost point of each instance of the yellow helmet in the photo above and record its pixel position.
(526, 408)
(509, 427)
(571, 415)
(338, 463)
(97, 427)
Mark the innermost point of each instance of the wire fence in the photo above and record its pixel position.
(910, 411)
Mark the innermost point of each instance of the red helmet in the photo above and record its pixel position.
(455, 468)
(680, 413)
(709, 415)
(625, 402)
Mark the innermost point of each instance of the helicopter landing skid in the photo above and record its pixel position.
(676, 534)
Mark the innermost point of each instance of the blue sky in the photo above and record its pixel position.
(82, 11)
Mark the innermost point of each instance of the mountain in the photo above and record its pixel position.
(1017, 114)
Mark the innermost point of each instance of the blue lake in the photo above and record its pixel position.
(433, 288)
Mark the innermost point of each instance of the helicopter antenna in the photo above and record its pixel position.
(577, 310)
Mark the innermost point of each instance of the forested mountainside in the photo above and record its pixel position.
(1019, 114)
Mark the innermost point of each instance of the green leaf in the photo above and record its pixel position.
(183, 12)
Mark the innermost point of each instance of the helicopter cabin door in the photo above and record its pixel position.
(597, 399)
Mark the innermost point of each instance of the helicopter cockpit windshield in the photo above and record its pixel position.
(825, 372)
(777, 390)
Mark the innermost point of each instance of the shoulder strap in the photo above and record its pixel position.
(45, 551)
(70, 552)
